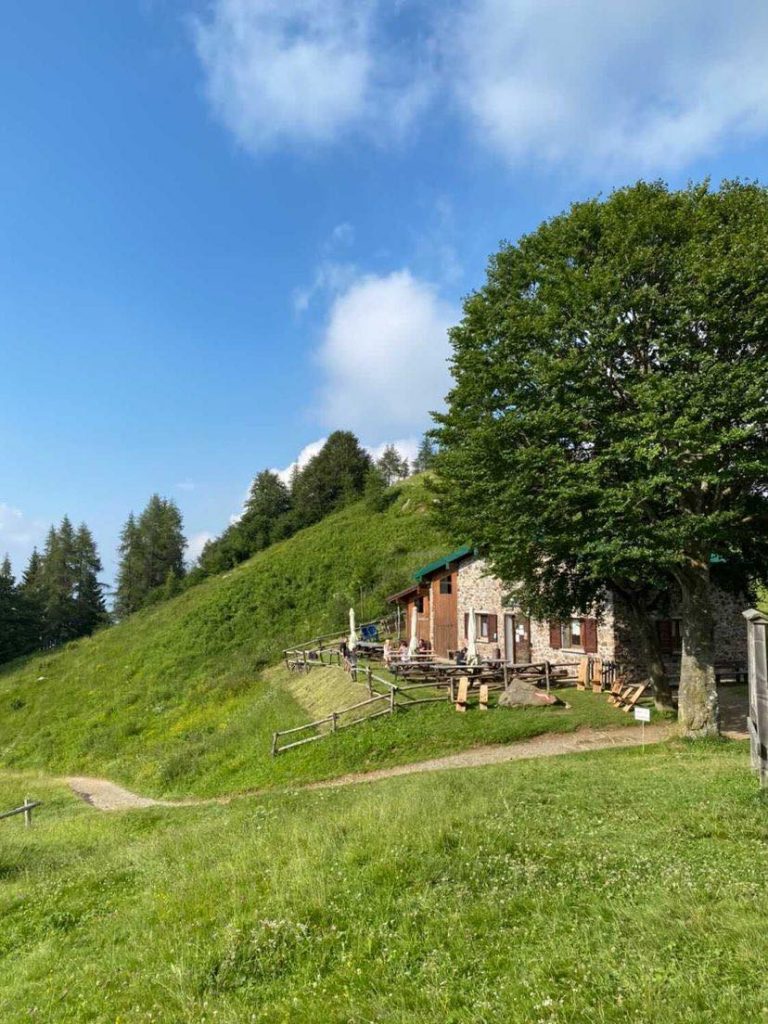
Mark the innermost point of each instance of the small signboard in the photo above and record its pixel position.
(642, 714)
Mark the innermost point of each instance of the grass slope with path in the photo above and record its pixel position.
(619, 886)
(177, 696)
(182, 699)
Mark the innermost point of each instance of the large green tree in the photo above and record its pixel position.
(268, 502)
(608, 425)
(331, 479)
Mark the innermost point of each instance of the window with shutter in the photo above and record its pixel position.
(493, 627)
(555, 635)
(466, 624)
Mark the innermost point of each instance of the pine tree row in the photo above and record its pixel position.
(59, 597)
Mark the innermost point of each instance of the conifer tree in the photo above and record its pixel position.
(391, 466)
(58, 581)
(31, 591)
(425, 456)
(90, 610)
(161, 541)
(11, 628)
(130, 574)
(151, 549)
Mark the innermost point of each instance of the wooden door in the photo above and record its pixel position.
(444, 611)
(517, 639)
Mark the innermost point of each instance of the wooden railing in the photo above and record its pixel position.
(25, 809)
(323, 650)
(333, 722)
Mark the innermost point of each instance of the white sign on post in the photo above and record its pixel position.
(643, 715)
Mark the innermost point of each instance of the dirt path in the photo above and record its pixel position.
(108, 796)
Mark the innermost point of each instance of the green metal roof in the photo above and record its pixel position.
(440, 563)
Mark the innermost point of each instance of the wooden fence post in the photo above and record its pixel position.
(368, 674)
(27, 812)
(546, 675)
(392, 701)
(274, 743)
(334, 721)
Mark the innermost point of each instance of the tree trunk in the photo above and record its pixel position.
(644, 628)
(698, 711)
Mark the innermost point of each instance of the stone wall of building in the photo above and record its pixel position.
(484, 593)
(541, 650)
(730, 634)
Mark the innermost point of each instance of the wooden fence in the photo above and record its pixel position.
(401, 696)
(324, 650)
(25, 809)
(384, 703)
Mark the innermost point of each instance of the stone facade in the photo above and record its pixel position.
(479, 590)
(482, 592)
(606, 640)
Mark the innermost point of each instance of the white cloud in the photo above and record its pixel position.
(384, 354)
(407, 448)
(306, 453)
(610, 84)
(303, 71)
(649, 86)
(330, 276)
(196, 543)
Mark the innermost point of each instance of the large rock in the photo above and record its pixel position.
(520, 694)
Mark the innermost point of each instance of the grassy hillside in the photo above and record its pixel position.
(176, 698)
(618, 886)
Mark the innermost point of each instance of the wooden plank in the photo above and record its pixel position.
(484, 696)
(461, 699)
(581, 674)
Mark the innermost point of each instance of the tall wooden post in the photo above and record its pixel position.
(27, 812)
(757, 722)
(546, 674)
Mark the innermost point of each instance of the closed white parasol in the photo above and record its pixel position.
(352, 644)
(472, 658)
(413, 646)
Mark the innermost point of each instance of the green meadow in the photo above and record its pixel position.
(617, 886)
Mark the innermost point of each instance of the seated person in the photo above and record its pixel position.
(461, 656)
(423, 647)
(403, 652)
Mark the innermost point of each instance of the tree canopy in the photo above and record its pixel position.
(607, 425)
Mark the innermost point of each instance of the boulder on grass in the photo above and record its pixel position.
(520, 694)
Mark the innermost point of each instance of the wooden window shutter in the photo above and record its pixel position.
(555, 634)
(493, 627)
(590, 636)
(466, 624)
(664, 627)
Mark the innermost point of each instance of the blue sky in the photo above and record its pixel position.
(231, 227)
